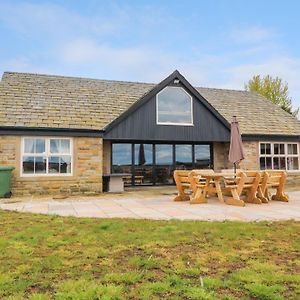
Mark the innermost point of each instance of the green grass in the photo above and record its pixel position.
(50, 257)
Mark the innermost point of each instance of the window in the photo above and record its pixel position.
(279, 156)
(174, 106)
(121, 158)
(164, 154)
(153, 164)
(202, 157)
(46, 156)
(143, 164)
(184, 156)
(164, 164)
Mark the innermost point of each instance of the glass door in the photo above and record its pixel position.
(184, 157)
(122, 161)
(164, 164)
(203, 159)
(143, 164)
(150, 164)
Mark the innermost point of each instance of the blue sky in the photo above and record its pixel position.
(212, 43)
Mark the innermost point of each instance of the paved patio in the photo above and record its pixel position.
(156, 204)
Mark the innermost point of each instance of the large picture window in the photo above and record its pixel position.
(154, 164)
(46, 156)
(174, 106)
(284, 156)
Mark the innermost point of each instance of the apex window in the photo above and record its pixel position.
(46, 156)
(174, 106)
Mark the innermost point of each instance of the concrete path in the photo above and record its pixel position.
(158, 206)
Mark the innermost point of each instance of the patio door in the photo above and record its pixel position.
(164, 164)
(154, 164)
(143, 164)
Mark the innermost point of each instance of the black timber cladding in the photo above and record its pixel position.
(140, 124)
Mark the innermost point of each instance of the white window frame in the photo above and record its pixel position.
(175, 123)
(46, 154)
(285, 155)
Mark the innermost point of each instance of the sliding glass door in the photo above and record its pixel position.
(122, 161)
(164, 164)
(143, 164)
(202, 156)
(184, 157)
(154, 164)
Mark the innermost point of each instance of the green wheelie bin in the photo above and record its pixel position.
(5, 181)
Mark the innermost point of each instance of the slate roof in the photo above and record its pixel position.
(47, 101)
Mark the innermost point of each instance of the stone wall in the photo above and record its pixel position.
(106, 157)
(87, 169)
(221, 152)
(220, 155)
(252, 156)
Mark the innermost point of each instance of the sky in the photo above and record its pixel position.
(219, 44)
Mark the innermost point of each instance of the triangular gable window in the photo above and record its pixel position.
(174, 106)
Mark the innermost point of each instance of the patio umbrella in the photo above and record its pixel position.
(236, 150)
(142, 158)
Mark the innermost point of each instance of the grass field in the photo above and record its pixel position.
(49, 257)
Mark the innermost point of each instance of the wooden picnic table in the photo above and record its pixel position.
(213, 185)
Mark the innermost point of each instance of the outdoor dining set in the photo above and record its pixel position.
(233, 188)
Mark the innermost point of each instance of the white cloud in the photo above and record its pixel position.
(129, 63)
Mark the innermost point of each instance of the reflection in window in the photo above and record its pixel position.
(38, 158)
(164, 164)
(143, 160)
(202, 157)
(184, 158)
(277, 156)
(143, 166)
(121, 158)
(59, 164)
(143, 154)
(164, 154)
(174, 106)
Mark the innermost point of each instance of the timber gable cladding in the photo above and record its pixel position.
(139, 121)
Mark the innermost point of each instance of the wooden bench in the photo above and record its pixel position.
(182, 181)
(127, 179)
(137, 179)
(235, 186)
(185, 182)
(253, 179)
(213, 185)
(276, 179)
(262, 187)
(252, 186)
(196, 180)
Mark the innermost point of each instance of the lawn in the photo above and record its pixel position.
(50, 257)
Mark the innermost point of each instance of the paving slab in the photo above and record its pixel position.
(158, 205)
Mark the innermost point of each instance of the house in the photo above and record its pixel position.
(62, 134)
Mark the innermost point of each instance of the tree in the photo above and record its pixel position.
(273, 89)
